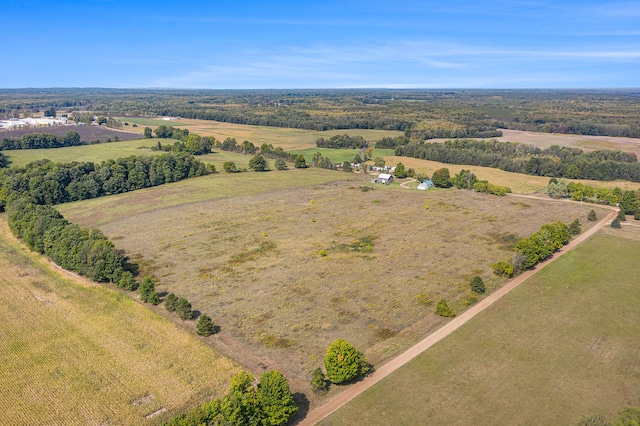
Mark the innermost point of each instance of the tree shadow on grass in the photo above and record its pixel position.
(303, 408)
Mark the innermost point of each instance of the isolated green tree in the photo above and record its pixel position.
(275, 399)
(629, 203)
(346, 167)
(183, 309)
(258, 164)
(280, 164)
(400, 171)
(575, 228)
(621, 216)
(444, 310)
(477, 285)
(343, 362)
(300, 162)
(170, 302)
(230, 167)
(592, 216)
(205, 326)
(616, 224)
(441, 178)
(148, 133)
(319, 381)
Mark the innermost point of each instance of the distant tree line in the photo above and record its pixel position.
(480, 131)
(555, 161)
(342, 142)
(270, 403)
(41, 140)
(391, 143)
(51, 183)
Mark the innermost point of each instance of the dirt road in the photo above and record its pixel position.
(332, 405)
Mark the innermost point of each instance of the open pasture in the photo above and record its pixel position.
(584, 142)
(73, 352)
(95, 153)
(561, 346)
(288, 138)
(289, 270)
(520, 183)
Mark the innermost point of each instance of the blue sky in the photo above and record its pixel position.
(320, 44)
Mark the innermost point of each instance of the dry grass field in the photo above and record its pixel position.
(73, 352)
(561, 346)
(287, 271)
(287, 138)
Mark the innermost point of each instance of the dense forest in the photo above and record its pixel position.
(555, 161)
(421, 114)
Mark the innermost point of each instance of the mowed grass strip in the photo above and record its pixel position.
(79, 353)
(95, 153)
(562, 345)
(220, 185)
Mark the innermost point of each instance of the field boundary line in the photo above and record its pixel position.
(356, 389)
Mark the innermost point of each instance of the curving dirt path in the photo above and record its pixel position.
(405, 185)
(352, 392)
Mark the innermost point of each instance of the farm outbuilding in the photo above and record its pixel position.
(425, 184)
(384, 178)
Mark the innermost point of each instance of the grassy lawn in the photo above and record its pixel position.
(563, 345)
(248, 248)
(95, 153)
(72, 352)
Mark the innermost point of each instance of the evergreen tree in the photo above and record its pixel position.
(616, 224)
(170, 302)
(147, 288)
(621, 216)
(183, 309)
(592, 216)
(280, 164)
(477, 285)
(258, 164)
(318, 381)
(400, 171)
(205, 326)
(300, 162)
(575, 228)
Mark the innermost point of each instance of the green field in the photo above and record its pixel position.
(339, 156)
(95, 153)
(247, 248)
(562, 345)
(74, 352)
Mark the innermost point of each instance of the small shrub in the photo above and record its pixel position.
(423, 299)
(230, 167)
(323, 253)
(592, 216)
(621, 216)
(616, 224)
(366, 188)
(319, 383)
(280, 164)
(313, 220)
(471, 299)
(503, 269)
(127, 282)
(636, 216)
(477, 285)
(444, 310)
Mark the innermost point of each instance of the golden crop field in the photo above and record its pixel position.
(74, 352)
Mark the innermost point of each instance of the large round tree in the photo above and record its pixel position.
(343, 362)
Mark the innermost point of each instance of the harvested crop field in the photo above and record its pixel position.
(73, 352)
(87, 133)
(288, 271)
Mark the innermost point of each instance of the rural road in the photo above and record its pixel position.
(353, 391)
